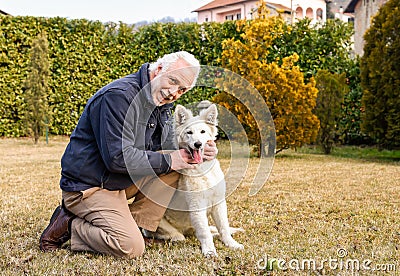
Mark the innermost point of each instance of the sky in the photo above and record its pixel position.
(127, 11)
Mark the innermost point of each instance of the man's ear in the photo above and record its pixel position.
(182, 115)
(157, 70)
(210, 115)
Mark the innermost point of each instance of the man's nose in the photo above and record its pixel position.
(173, 92)
(175, 89)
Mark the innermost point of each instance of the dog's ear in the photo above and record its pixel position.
(182, 114)
(210, 115)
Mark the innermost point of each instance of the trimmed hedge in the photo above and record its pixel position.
(86, 55)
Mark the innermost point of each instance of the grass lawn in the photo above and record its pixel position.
(332, 211)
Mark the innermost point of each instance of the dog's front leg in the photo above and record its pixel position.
(199, 222)
(219, 214)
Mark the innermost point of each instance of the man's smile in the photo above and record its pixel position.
(166, 96)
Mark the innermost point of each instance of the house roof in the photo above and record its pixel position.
(350, 7)
(3, 12)
(218, 3)
(222, 3)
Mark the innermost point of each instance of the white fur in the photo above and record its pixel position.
(205, 187)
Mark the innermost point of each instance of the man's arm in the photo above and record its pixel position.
(117, 146)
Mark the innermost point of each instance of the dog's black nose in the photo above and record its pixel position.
(197, 145)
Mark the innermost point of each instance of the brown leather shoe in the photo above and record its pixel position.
(57, 232)
(151, 241)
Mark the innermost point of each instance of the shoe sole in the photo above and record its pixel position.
(53, 217)
(151, 241)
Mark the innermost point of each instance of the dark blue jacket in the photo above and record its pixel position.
(117, 136)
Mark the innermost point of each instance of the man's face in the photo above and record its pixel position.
(167, 87)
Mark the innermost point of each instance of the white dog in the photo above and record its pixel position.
(202, 189)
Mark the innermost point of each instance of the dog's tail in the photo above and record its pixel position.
(233, 230)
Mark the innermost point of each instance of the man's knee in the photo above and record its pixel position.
(132, 248)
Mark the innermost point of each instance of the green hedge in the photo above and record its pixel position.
(85, 55)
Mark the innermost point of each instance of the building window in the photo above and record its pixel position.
(206, 19)
(299, 12)
(319, 14)
(309, 13)
(239, 16)
(229, 17)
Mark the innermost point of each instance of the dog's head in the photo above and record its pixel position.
(194, 132)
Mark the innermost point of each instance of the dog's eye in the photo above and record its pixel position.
(189, 132)
(203, 131)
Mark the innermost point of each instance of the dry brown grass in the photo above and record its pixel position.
(312, 206)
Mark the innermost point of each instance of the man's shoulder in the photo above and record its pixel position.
(127, 87)
(132, 83)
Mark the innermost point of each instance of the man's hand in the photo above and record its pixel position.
(180, 159)
(210, 150)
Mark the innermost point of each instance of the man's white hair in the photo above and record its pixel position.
(171, 58)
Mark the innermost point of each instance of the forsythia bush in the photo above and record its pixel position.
(288, 97)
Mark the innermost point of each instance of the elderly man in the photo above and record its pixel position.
(116, 152)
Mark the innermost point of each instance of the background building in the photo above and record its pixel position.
(221, 10)
(363, 11)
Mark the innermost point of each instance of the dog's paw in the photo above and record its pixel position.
(208, 250)
(235, 245)
(209, 253)
(177, 237)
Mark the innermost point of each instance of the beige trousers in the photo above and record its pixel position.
(108, 224)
